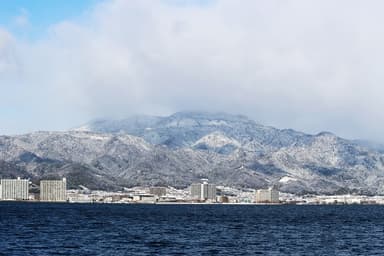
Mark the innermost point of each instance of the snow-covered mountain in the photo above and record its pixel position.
(182, 148)
(217, 142)
(183, 129)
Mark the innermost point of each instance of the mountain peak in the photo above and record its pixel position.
(177, 149)
(325, 134)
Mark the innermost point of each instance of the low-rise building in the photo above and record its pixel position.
(144, 198)
(158, 191)
(223, 199)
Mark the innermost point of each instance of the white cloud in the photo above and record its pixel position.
(309, 65)
(8, 62)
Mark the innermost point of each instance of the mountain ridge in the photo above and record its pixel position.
(179, 149)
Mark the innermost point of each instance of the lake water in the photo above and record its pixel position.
(106, 229)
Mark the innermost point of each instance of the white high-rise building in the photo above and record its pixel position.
(14, 189)
(270, 195)
(53, 190)
(203, 191)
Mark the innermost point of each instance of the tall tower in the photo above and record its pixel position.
(14, 189)
(53, 190)
(203, 191)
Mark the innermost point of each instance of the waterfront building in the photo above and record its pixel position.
(203, 191)
(14, 189)
(53, 190)
(158, 191)
(144, 198)
(270, 195)
(223, 199)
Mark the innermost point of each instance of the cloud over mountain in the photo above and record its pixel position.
(307, 65)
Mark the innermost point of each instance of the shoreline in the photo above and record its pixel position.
(189, 203)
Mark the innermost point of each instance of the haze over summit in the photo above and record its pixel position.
(310, 66)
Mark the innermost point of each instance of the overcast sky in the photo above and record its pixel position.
(306, 65)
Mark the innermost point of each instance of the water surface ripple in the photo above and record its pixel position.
(111, 229)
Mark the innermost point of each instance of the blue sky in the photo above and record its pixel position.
(307, 65)
(40, 14)
(43, 13)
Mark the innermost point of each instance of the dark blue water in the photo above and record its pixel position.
(105, 229)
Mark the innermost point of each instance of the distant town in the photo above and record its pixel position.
(201, 192)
